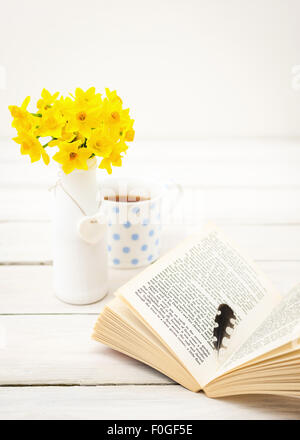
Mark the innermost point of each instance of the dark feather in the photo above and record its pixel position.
(222, 320)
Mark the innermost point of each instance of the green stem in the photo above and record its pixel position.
(46, 145)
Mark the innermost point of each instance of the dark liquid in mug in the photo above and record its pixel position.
(126, 198)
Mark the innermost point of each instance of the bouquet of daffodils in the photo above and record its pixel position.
(81, 126)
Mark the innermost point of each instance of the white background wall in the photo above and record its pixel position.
(186, 68)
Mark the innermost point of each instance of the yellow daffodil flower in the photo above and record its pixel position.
(105, 164)
(66, 136)
(115, 118)
(64, 105)
(112, 96)
(111, 113)
(89, 97)
(81, 125)
(128, 132)
(23, 120)
(72, 155)
(51, 124)
(83, 118)
(129, 135)
(30, 145)
(114, 158)
(99, 143)
(47, 100)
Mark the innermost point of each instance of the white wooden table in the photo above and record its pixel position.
(49, 366)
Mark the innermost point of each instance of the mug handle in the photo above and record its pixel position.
(177, 189)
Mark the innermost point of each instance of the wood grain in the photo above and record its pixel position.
(57, 349)
(38, 296)
(162, 402)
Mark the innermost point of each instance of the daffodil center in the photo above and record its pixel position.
(73, 156)
(81, 116)
(115, 116)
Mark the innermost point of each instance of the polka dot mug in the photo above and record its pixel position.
(133, 209)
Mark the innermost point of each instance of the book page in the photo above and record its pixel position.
(280, 327)
(178, 297)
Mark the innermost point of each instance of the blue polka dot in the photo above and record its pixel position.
(152, 206)
(126, 250)
(135, 236)
(157, 242)
(116, 209)
(145, 222)
(116, 261)
(116, 236)
(136, 210)
(109, 248)
(127, 225)
(158, 216)
(134, 261)
(151, 233)
(109, 223)
(144, 247)
(150, 258)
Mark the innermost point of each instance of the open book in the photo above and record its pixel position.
(165, 317)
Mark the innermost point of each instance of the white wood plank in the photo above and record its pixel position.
(244, 205)
(57, 349)
(222, 163)
(138, 402)
(31, 241)
(38, 296)
(28, 289)
(25, 204)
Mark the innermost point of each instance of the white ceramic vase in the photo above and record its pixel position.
(80, 273)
